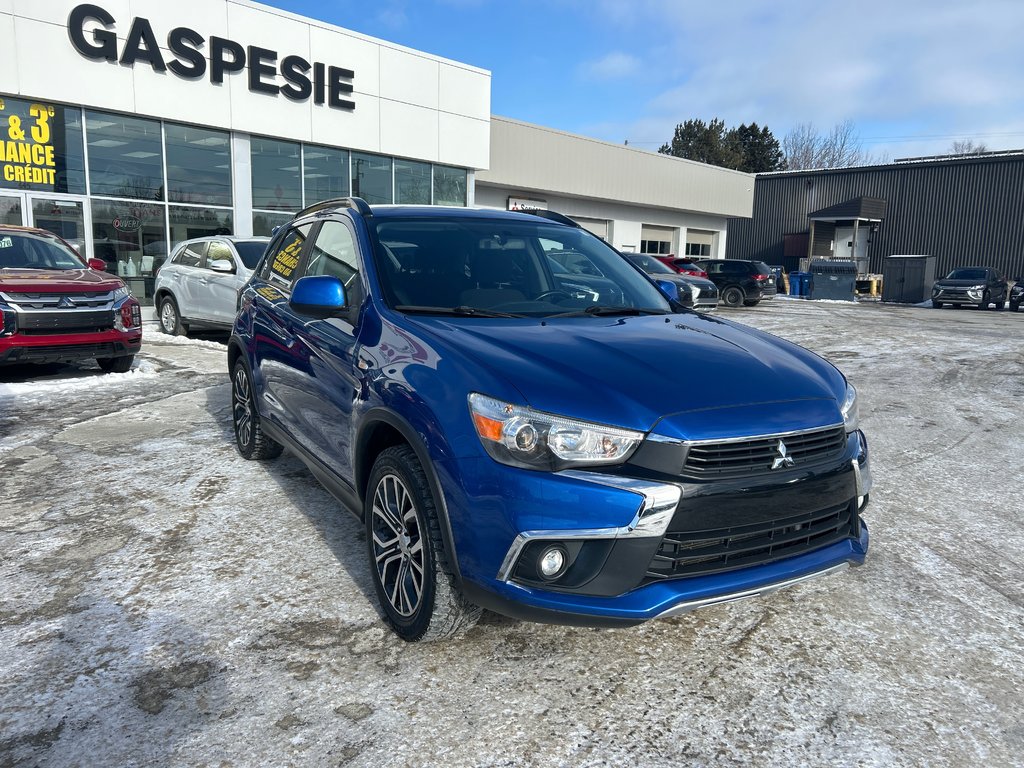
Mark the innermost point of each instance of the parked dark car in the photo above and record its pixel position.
(695, 292)
(979, 287)
(482, 416)
(1016, 293)
(741, 282)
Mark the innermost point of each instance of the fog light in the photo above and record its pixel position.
(552, 562)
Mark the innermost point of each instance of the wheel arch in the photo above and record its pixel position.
(382, 428)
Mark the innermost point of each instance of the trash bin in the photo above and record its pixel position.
(833, 279)
(796, 283)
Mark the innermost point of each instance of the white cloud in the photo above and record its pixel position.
(613, 66)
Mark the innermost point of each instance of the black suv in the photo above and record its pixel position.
(975, 286)
(1016, 293)
(740, 281)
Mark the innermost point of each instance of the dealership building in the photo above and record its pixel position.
(127, 126)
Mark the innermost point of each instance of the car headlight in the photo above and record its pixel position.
(851, 416)
(695, 293)
(523, 437)
(122, 293)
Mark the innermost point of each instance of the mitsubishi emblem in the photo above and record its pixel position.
(66, 303)
(783, 459)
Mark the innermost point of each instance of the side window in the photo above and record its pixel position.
(334, 254)
(279, 266)
(713, 268)
(218, 251)
(191, 255)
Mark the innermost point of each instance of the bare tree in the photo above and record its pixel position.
(805, 147)
(967, 147)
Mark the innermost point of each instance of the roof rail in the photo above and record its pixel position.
(338, 202)
(553, 216)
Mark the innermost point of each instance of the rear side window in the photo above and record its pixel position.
(280, 265)
(761, 268)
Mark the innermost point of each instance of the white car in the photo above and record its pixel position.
(199, 284)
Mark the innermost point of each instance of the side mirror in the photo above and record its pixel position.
(222, 265)
(98, 264)
(319, 296)
(670, 289)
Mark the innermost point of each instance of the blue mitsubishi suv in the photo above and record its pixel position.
(515, 437)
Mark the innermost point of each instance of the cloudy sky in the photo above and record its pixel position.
(911, 75)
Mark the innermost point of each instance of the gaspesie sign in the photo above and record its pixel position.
(303, 80)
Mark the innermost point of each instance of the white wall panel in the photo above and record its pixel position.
(408, 78)
(56, 12)
(172, 98)
(463, 141)
(260, 26)
(350, 52)
(205, 17)
(7, 7)
(464, 92)
(8, 56)
(342, 129)
(408, 131)
(267, 116)
(44, 49)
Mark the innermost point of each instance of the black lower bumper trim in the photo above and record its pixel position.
(492, 602)
(67, 352)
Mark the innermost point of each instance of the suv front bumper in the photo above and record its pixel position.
(611, 580)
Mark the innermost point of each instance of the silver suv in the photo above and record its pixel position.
(199, 284)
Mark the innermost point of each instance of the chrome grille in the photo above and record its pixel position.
(87, 299)
(756, 456)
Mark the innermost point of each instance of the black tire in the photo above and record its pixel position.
(121, 364)
(411, 574)
(984, 301)
(936, 304)
(1000, 306)
(732, 296)
(169, 318)
(252, 442)
(1014, 306)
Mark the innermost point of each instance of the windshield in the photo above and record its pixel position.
(650, 264)
(506, 267)
(966, 274)
(24, 250)
(251, 251)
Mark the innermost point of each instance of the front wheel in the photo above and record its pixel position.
(1014, 306)
(984, 301)
(252, 442)
(732, 296)
(411, 575)
(936, 304)
(121, 364)
(170, 318)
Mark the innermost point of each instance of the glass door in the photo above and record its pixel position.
(12, 209)
(62, 216)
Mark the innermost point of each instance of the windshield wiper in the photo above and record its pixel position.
(597, 310)
(460, 311)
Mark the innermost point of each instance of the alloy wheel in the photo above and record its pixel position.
(398, 545)
(168, 317)
(242, 406)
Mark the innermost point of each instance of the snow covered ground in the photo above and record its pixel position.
(165, 603)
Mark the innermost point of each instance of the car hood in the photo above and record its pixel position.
(57, 280)
(684, 376)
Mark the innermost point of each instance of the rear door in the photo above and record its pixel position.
(184, 279)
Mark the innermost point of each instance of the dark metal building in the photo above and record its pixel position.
(965, 210)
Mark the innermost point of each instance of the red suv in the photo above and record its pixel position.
(55, 308)
(682, 265)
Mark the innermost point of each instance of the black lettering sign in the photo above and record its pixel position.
(302, 80)
(184, 43)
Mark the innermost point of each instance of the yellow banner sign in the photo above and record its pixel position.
(26, 151)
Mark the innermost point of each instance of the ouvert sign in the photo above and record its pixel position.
(325, 84)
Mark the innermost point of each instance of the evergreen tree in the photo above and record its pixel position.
(746, 148)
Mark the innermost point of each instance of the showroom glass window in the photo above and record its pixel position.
(326, 173)
(449, 185)
(412, 182)
(371, 178)
(41, 147)
(276, 175)
(190, 222)
(125, 156)
(198, 165)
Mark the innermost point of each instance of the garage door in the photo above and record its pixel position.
(598, 227)
(656, 239)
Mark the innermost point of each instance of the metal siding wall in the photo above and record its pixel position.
(962, 212)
